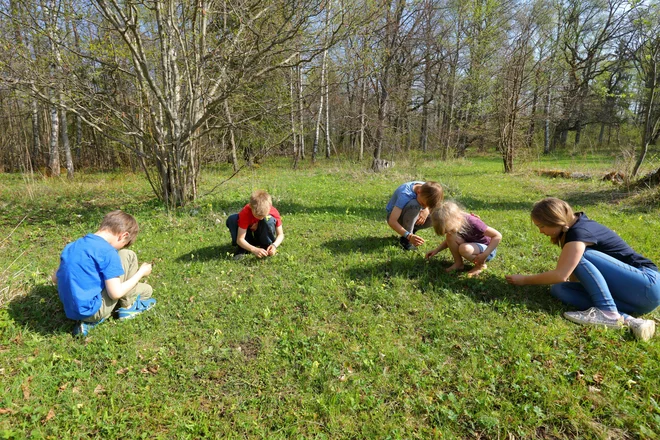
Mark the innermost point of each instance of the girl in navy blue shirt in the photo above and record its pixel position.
(609, 281)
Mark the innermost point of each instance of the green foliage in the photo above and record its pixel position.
(340, 335)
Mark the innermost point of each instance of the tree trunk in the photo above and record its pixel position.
(232, 139)
(327, 120)
(317, 132)
(363, 116)
(649, 128)
(292, 103)
(54, 153)
(301, 113)
(36, 135)
(64, 142)
(532, 116)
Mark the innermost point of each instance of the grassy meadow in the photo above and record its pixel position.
(340, 335)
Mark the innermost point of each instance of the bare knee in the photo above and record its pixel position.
(467, 250)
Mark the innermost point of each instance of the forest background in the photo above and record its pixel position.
(168, 86)
(342, 335)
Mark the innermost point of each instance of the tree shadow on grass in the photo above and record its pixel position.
(431, 278)
(292, 208)
(363, 245)
(473, 204)
(40, 311)
(208, 253)
(612, 196)
(92, 211)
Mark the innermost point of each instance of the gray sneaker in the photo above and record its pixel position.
(643, 329)
(594, 316)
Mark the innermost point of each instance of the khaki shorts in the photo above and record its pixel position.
(129, 262)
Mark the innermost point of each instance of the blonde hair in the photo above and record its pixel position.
(552, 211)
(119, 222)
(448, 218)
(432, 193)
(260, 203)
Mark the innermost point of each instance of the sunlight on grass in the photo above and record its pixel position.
(341, 335)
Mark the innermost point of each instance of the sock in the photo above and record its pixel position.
(611, 315)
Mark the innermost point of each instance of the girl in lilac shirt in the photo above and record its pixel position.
(466, 236)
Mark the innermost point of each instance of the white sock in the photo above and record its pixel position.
(611, 315)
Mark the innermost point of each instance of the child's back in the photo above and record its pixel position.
(85, 264)
(97, 276)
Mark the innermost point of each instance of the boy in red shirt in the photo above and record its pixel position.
(257, 228)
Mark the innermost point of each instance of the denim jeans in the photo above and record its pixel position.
(263, 237)
(611, 285)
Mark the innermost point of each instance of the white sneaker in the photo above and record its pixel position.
(594, 316)
(643, 329)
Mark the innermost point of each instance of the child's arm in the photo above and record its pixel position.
(495, 239)
(272, 249)
(53, 277)
(242, 242)
(568, 261)
(442, 247)
(393, 223)
(116, 289)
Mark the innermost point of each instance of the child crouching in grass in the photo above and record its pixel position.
(466, 236)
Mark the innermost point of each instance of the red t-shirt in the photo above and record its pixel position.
(246, 219)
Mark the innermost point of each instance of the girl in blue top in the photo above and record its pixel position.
(608, 279)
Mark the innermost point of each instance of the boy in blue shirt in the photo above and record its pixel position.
(408, 210)
(97, 275)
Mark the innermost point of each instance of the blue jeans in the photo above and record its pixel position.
(610, 285)
(263, 237)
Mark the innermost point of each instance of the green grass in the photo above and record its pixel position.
(341, 335)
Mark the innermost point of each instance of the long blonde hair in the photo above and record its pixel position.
(553, 212)
(448, 218)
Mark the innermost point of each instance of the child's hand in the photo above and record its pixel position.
(272, 250)
(145, 269)
(480, 259)
(430, 254)
(423, 214)
(260, 253)
(416, 240)
(518, 280)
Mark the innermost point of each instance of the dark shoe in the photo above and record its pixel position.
(406, 244)
(240, 254)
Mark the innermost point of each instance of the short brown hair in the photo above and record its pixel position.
(119, 222)
(260, 203)
(448, 218)
(552, 211)
(432, 193)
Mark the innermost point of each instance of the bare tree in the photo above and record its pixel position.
(646, 56)
(515, 75)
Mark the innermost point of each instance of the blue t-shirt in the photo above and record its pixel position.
(85, 264)
(606, 241)
(402, 195)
